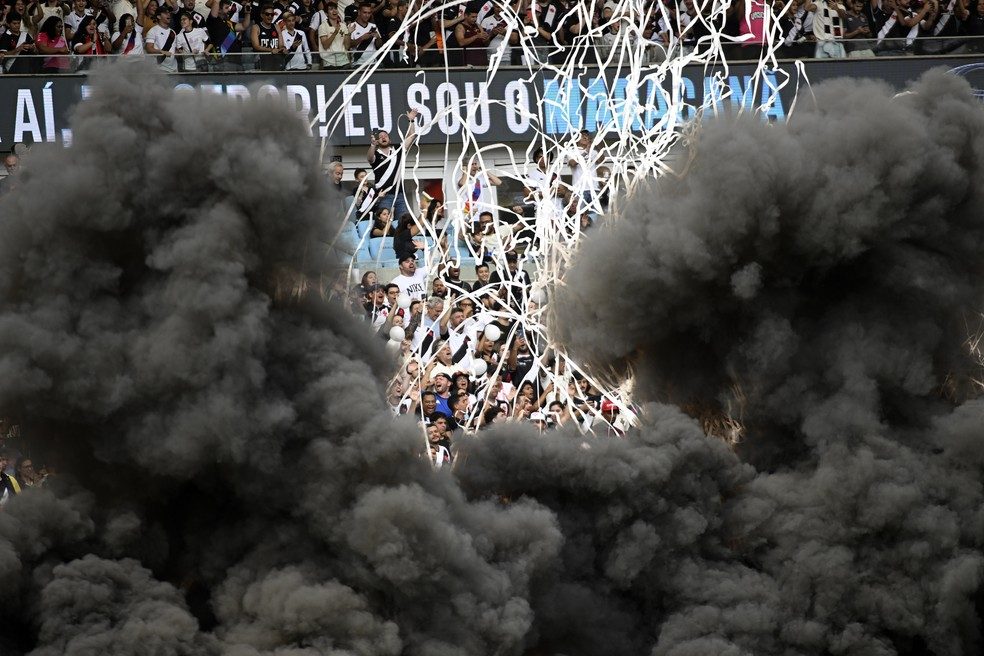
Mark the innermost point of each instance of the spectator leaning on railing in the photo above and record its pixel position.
(51, 41)
(14, 40)
(468, 42)
(225, 33)
(88, 40)
(193, 44)
(298, 52)
(264, 37)
(334, 41)
(161, 40)
(423, 43)
(364, 35)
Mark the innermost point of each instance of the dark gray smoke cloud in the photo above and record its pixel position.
(233, 483)
(819, 281)
(231, 480)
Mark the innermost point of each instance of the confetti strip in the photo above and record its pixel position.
(644, 45)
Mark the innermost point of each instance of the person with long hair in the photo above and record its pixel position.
(367, 283)
(404, 241)
(19, 8)
(128, 39)
(461, 386)
(88, 41)
(80, 9)
(149, 14)
(51, 41)
(382, 225)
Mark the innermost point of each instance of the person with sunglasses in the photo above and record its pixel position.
(265, 39)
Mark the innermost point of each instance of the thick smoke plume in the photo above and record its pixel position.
(233, 483)
(821, 283)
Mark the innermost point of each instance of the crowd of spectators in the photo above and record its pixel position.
(18, 470)
(270, 35)
(459, 310)
(465, 359)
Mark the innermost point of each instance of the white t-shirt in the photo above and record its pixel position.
(584, 176)
(485, 11)
(191, 43)
(124, 7)
(138, 41)
(414, 286)
(335, 54)
(47, 12)
(478, 195)
(456, 337)
(536, 180)
(378, 317)
(159, 36)
(356, 31)
(73, 20)
(489, 24)
(317, 18)
(301, 59)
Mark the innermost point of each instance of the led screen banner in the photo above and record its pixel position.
(511, 107)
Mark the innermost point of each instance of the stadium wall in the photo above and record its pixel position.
(507, 108)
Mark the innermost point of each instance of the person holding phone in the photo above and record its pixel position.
(128, 39)
(386, 159)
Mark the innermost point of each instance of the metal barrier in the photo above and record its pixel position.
(248, 61)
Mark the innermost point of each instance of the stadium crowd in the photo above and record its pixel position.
(459, 310)
(17, 469)
(52, 36)
(447, 292)
(460, 313)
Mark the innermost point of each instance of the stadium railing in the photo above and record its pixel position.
(250, 62)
